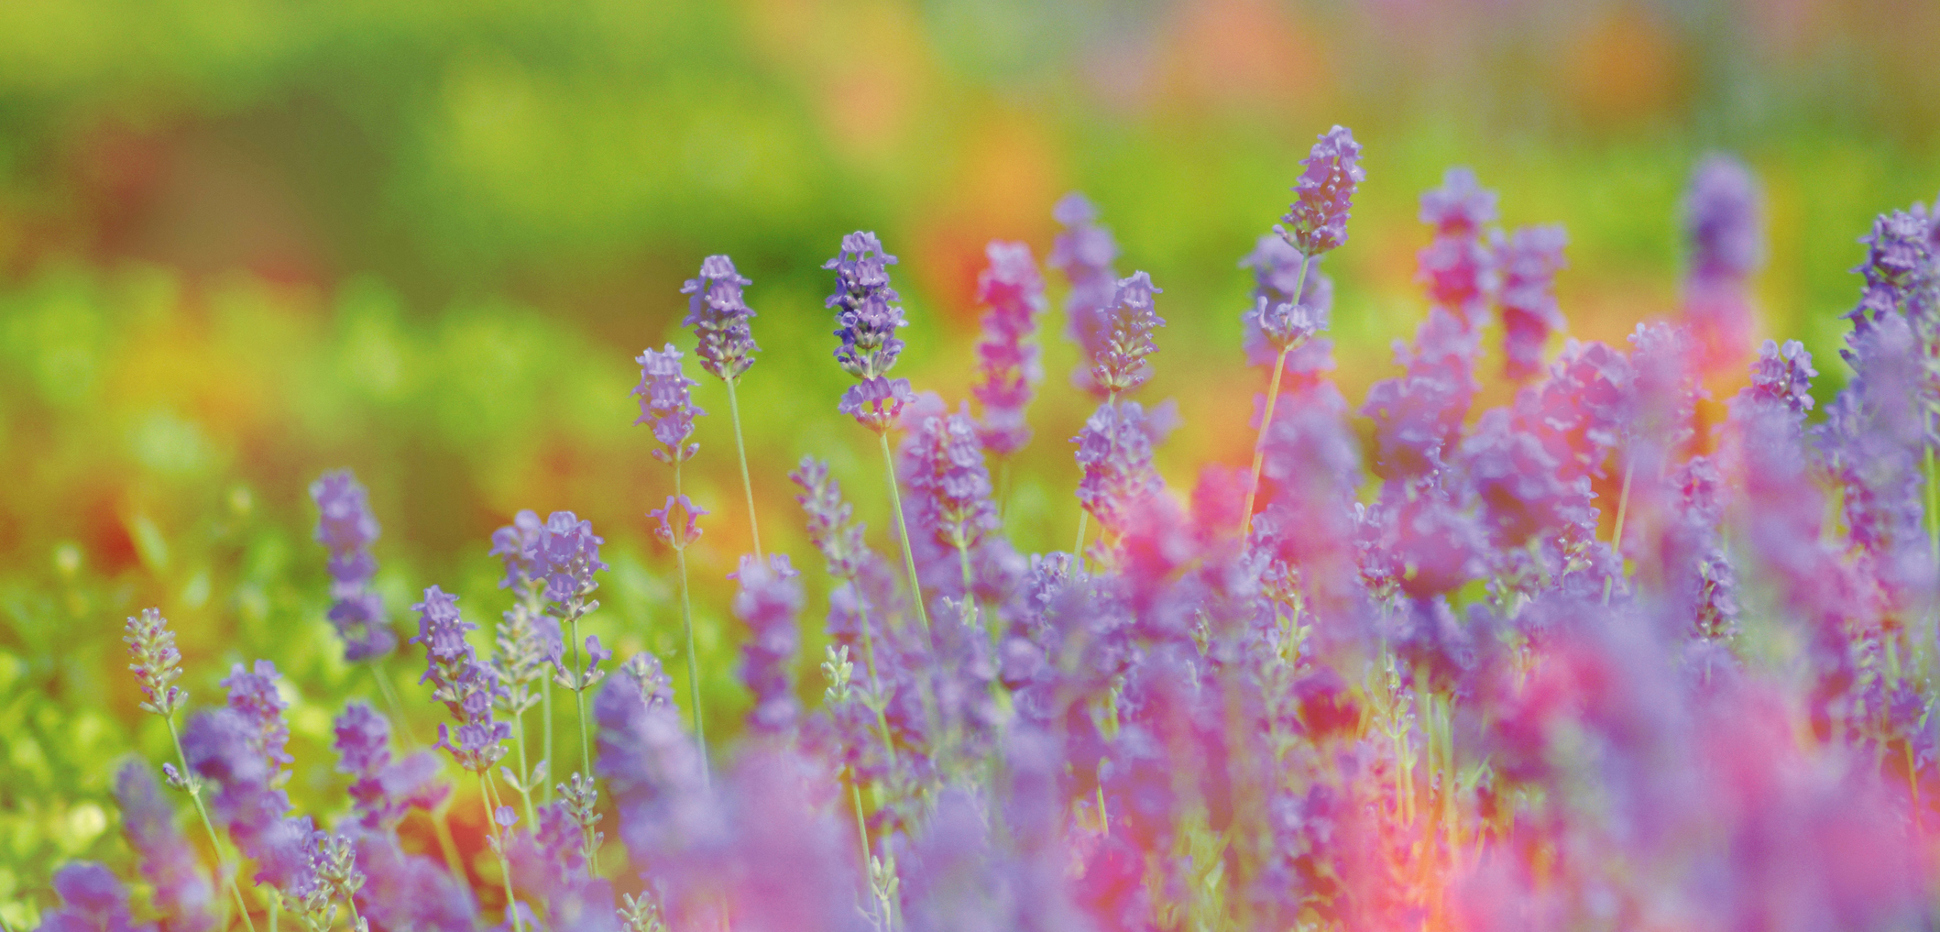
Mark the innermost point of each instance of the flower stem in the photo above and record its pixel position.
(909, 555)
(687, 624)
(1616, 533)
(1266, 421)
(525, 771)
(1078, 548)
(545, 747)
(747, 487)
(585, 734)
(490, 799)
(215, 843)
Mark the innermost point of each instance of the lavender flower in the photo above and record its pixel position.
(767, 601)
(1782, 376)
(253, 695)
(831, 524)
(182, 891)
(566, 555)
(1458, 267)
(867, 315)
(1461, 206)
(944, 467)
(345, 526)
(678, 510)
(92, 900)
(1084, 252)
(1722, 225)
(515, 544)
(157, 664)
(1007, 365)
(1115, 451)
(719, 317)
(1900, 270)
(667, 404)
(383, 791)
(1279, 322)
(1529, 312)
(1128, 326)
(1317, 221)
(468, 688)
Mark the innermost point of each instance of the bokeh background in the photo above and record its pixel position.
(245, 241)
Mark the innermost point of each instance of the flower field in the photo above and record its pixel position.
(1418, 561)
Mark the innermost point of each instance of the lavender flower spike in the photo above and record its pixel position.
(182, 891)
(346, 526)
(157, 664)
(1115, 451)
(1317, 221)
(867, 315)
(1084, 252)
(768, 601)
(719, 318)
(667, 403)
(1529, 312)
(1008, 365)
(1130, 323)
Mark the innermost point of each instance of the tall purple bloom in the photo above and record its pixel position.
(867, 318)
(1007, 363)
(1783, 376)
(514, 545)
(566, 555)
(253, 695)
(93, 899)
(1317, 221)
(719, 316)
(1530, 261)
(1724, 235)
(1279, 321)
(667, 403)
(1084, 252)
(944, 466)
(182, 891)
(1128, 326)
(1458, 267)
(768, 600)
(347, 528)
(469, 688)
(382, 791)
(1115, 451)
(1900, 270)
(831, 520)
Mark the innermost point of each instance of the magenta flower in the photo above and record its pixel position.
(1529, 262)
(1007, 364)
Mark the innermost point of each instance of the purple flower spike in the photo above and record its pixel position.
(831, 519)
(943, 466)
(1529, 312)
(514, 544)
(667, 404)
(1006, 362)
(1084, 252)
(768, 601)
(1901, 275)
(346, 526)
(92, 900)
(868, 316)
(876, 403)
(1129, 324)
(1317, 221)
(689, 519)
(1115, 451)
(1459, 266)
(1276, 272)
(182, 890)
(1460, 207)
(719, 317)
(253, 695)
(1721, 220)
(1783, 376)
(566, 556)
(157, 664)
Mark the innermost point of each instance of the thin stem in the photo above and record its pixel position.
(875, 686)
(1078, 548)
(909, 555)
(585, 735)
(1932, 469)
(389, 692)
(195, 793)
(525, 771)
(447, 845)
(490, 799)
(687, 624)
(545, 709)
(1266, 422)
(356, 923)
(747, 487)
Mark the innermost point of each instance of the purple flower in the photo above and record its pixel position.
(1722, 223)
(651, 769)
(1128, 326)
(182, 890)
(1461, 206)
(831, 519)
(688, 517)
(157, 664)
(382, 791)
(1529, 312)
(566, 556)
(667, 404)
(253, 695)
(876, 403)
(768, 600)
(345, 526)
(944, 467)
(1115, 452)
(1281, 322)
(1518, 483)
(1317, 221)
(1007, 364)
(867, 317)
(1418, 417)
(719, 317)
(1459, 267)
(1084, 252)
(92, 900)
(1782, 376)
(514, 544)
(1900, 270)
(468, 688)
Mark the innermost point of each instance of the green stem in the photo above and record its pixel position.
(585, 734)
(215, 843)
(1616, 534)
(447, 845)
(490, 799)
(525, 770)
(687, 624)
(747, 487)
(1266, 422)
(389, 692)
(545, 709)
(909, 555)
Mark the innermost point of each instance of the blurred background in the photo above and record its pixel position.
(246, 241)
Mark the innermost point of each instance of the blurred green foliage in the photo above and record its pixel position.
(246, 241)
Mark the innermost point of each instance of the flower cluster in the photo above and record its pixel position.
(867, 318)
(468, 687)
(768, 601)
(667, 403)
(347, 528)
(1007, 365)
(1129, 324)
(1317, 221)
(1084, 252)
(719, 317)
